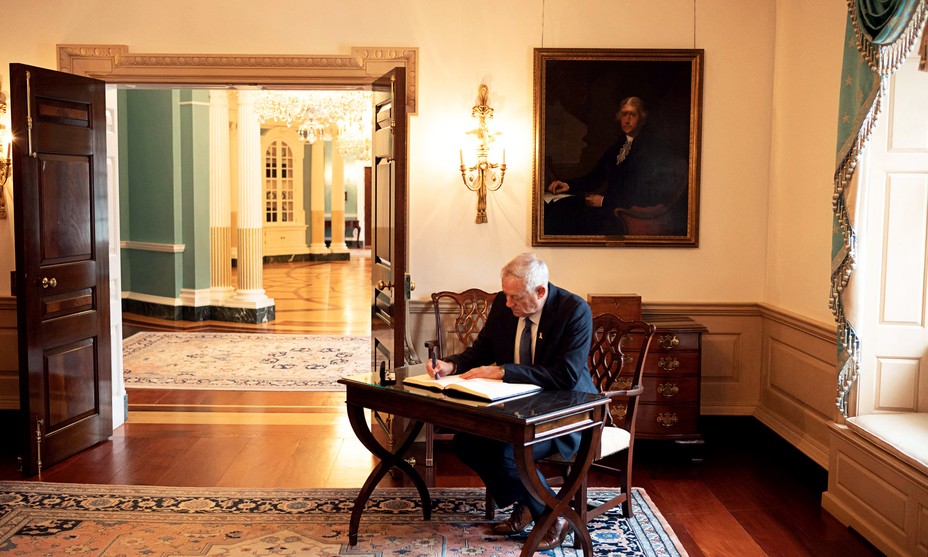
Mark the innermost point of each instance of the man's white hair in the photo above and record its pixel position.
(528, 267)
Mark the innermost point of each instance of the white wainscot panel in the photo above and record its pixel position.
(727, 387)
(723, 350)
(904, 248)
(906, 108)
(897, 384)
(800, 377)
(860, 478)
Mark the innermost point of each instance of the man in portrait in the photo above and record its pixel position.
(636, 187)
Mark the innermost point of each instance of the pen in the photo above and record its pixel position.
(434, 363)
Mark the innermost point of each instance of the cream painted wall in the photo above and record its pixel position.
(805, 120)
(463, 43)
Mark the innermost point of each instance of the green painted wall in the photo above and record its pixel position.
(193, 146)
(150, 189)
(164, 189)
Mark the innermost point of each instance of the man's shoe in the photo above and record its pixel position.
(555, 535)
(517, 521)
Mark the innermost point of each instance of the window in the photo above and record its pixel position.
(278, 183)
(893, 252)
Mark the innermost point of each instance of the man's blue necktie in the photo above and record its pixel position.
(525, 343)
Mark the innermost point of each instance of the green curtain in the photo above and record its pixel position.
(879, 36)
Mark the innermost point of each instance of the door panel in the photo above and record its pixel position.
(59, 174)
(389, 272)
(389, 265)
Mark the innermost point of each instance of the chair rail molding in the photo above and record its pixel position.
(114, 63)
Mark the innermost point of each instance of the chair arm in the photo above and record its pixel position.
(637, 390)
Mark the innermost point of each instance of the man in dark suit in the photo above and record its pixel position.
(552, 353)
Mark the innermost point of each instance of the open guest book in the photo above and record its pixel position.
(484, 389)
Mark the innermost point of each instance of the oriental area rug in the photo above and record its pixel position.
(101, 520)
(242, 361)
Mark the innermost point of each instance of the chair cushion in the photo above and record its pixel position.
(904, 435)
(614, 439)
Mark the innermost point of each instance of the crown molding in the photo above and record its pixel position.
(116, 64)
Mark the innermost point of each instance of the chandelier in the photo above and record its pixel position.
(323, 115)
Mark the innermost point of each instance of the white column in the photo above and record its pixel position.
(317, 199)
(338, 197)
(220, 199)
(249, 292)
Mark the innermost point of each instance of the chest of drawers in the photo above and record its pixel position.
(669, 408)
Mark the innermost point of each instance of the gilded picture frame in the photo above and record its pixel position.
(586, 191)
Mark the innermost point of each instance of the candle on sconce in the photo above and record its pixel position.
(461, 153)
(504, 156)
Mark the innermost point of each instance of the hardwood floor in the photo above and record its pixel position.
(753, 494)
(309, 298)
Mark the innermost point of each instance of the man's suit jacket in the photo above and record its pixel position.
(562, 347)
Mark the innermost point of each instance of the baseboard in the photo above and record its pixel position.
(802, 442)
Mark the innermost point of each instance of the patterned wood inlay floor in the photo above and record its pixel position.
(309, 297)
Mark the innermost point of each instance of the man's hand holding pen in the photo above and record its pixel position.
(438, 368)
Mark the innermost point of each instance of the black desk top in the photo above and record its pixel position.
(449, 410)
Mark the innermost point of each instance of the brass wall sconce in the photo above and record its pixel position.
(6, 166)
(483, 176)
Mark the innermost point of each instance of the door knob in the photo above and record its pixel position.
(49, 282)
(381, 285)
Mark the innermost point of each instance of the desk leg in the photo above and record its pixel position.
(558, 505)
(387, 461)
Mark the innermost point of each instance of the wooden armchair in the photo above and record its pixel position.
(471, 309)
(617, 356)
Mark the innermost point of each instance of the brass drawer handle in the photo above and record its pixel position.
(668, 364)
(49, 282)
(619, 411)
(667, 419)
(668, 341)
(668, 390)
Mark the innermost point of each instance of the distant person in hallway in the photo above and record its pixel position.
(634, 179)
(552, 354)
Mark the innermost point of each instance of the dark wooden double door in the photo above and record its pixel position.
(62, 245)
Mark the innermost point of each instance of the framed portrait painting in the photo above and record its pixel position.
(617, 138)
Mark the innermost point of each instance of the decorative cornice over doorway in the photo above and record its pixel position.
(115, 64)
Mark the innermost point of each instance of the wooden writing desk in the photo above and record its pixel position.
(521, 421)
